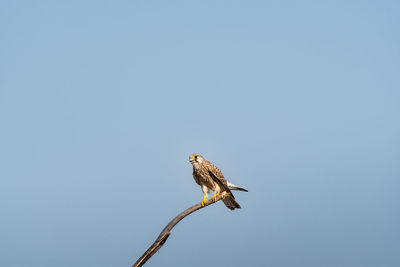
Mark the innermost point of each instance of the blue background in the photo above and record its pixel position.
(102, 102)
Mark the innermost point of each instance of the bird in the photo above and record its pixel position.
(209, 177)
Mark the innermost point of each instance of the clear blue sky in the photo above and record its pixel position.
(101, 103)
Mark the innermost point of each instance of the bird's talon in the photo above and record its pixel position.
(215, 196)
(203, 201)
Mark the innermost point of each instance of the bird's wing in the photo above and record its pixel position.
(235, 187)
(217, 172)
(224, 187)
(196, 177)
(229, 201)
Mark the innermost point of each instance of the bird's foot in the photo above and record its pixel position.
(214, 197)
(204, 201)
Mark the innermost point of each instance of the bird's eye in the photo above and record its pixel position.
(195, 157)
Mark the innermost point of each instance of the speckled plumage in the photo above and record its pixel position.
(205, 173)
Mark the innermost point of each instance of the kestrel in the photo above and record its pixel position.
(209, 177)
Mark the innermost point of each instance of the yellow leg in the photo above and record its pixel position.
(204, 200)
(214, 197)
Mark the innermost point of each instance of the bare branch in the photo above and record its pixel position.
(167, 231)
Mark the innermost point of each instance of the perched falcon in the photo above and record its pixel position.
(209, 177)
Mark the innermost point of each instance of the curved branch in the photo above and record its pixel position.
(167, 231)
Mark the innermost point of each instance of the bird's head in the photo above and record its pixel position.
(196, 158)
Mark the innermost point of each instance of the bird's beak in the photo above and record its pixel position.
(191, 159)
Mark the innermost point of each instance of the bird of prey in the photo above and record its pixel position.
(209, 177)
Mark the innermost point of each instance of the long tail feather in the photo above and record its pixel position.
(231, 203)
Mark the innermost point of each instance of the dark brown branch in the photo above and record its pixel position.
(167, 231)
